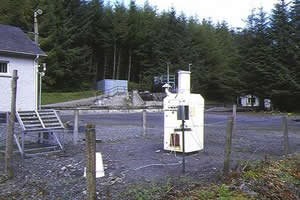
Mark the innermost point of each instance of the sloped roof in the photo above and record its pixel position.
(14, 40)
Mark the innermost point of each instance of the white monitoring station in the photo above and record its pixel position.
(192, 106)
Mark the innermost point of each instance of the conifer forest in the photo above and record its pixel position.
(90, 40)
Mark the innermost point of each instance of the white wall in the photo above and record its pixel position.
(26, 88)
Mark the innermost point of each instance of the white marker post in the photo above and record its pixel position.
(99, 166)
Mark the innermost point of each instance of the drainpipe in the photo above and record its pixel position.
(37, 104)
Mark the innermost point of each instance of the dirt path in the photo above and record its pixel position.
(130, 158)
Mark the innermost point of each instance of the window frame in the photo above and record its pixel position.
(7, 67)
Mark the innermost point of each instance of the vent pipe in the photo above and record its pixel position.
(184, 82)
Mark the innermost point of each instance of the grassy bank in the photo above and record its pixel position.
(56, 97)
(266, 179)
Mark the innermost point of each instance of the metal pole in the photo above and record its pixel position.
(36, 13)
(183, 148)
(40, 93)
(144, 123)
(41, 74)
(36, 31)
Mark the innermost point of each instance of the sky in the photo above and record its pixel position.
(232, 11)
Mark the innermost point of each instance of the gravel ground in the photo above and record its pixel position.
(130, 158)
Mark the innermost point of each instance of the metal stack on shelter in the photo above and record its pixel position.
(43, 125)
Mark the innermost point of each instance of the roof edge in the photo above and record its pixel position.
(23, 53)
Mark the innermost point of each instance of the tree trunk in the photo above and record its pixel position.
(92, 62)
(114, 68)
(252, 101)
(119, 65)
(96, 75)
(140, 78)
(129, 65)
(105, 67)
(261, 103)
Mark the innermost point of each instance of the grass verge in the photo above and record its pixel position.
(266, 179)
(57, 97)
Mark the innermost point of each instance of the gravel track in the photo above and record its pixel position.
(130, 158)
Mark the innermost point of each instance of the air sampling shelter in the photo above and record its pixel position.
(192, 106)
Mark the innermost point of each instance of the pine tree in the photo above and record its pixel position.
(145, 62)
(295, 35)
(133, 29)
(14, 14)
(257, 64)
(282, 45)
(121, 30)
(91, 30)
(67, 57)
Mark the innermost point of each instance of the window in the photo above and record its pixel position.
(251, 100)
(3, 67)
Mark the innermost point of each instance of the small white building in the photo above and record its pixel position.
(18, 52)
(253, 101)
(249, 101)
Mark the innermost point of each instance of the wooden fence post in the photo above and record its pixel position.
(7, 118)
(10, 128)
(75, 128)
(285, 136)
(228, 143)
(144, 123)
(234, 113)
(90, 140)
